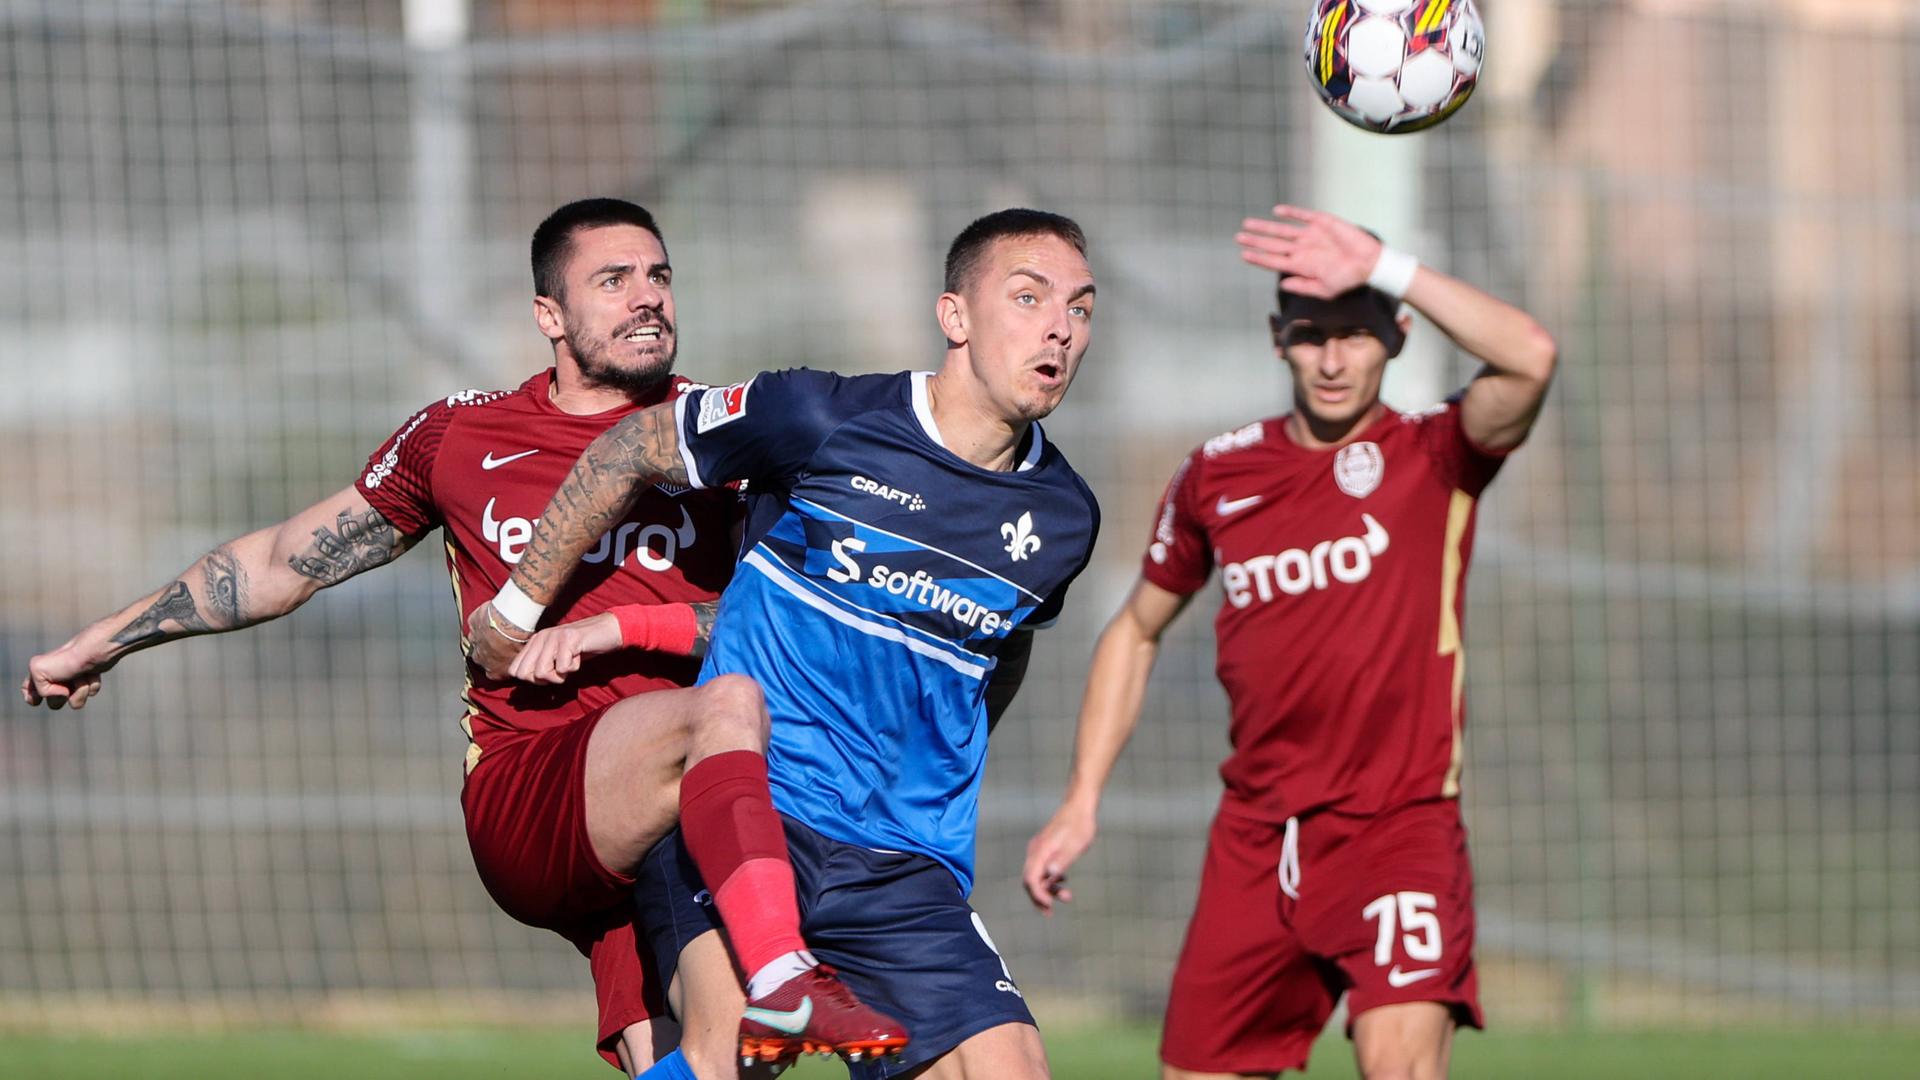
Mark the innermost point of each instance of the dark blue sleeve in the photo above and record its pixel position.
(763, 430)
(1049, 610)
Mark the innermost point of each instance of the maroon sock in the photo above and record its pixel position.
(731, 829)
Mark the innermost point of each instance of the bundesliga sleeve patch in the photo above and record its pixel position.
(722, 406)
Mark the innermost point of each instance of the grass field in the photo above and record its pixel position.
(1078, 1054)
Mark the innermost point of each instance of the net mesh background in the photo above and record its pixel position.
(241, 243)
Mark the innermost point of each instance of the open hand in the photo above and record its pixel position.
(1322, 255)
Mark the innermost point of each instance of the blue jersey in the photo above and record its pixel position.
(879, 575)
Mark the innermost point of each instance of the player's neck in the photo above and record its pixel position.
(1312, 433)
(572, 394)
(970, 428)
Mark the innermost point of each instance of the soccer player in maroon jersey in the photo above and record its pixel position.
(1342, 530)
(568, 784)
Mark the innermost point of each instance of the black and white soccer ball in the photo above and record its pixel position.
(1394, 66)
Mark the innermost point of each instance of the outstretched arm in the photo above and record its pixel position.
(642, 449)
(555, 653)
(247, 580)
(1116, 686)
(1326, 256)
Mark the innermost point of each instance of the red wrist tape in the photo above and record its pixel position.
(666, 628)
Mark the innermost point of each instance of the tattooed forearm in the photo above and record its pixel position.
(703, 616)
(175, 604)
(352, 545)
(226, 588)
(649, 444)
(641, 449)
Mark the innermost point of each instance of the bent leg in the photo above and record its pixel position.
(644, 745)
(706, 995)
(1409, 1041)
(736, 838)
(733, 716)
(641, 1044)
(525, 805)
(635, 758)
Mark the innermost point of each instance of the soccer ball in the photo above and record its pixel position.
(1394, 66)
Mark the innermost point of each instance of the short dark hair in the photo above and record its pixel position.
(1361, 307)
(970, 247)
(553, 240)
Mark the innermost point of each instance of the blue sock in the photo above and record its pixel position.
(671, 1067)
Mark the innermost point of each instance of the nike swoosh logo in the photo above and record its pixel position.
(793, 1022)
(1397, 978)
(490, 462)
(1226, 506)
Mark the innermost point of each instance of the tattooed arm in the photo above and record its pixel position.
(642, 449)
(251, 579)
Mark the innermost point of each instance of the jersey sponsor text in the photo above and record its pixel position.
(1347, 560)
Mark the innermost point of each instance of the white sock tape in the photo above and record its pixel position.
(1393, 273)
(517, 607)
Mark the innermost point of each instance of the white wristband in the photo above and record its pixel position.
(517, 607)
(1393, 273)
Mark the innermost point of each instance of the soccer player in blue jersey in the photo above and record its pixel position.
(906, 532)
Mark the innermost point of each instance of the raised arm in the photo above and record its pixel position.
(642, 449)
(1116, 686)
(1326, 256)
(1503, 400)
(247, 580)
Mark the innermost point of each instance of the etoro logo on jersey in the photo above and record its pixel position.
(652, 546)
(1347, 560)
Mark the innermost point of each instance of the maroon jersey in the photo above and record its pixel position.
(482, 465)
(1339, 628)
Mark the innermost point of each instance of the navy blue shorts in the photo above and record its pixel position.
(894, 924)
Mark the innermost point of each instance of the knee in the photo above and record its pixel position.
(1401, 1066)
(733, 709)
(1031, 1053)
(1400, 1072)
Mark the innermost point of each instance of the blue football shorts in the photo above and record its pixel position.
(894, 924)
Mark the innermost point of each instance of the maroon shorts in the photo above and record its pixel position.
(525, 803)
(1378, 907)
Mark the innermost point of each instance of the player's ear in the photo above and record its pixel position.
(1405, 322)
(1276, 326)
(951, 311)
(548, 317)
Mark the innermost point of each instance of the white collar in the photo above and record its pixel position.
(923, 412)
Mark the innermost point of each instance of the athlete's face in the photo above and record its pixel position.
(616, 317)
(1026, 319)
(1336, 369)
